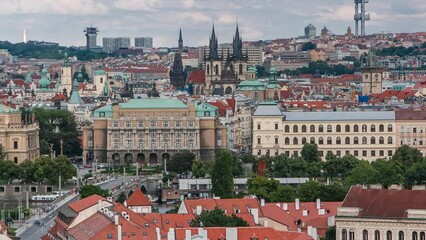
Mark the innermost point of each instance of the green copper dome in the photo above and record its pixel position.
(44, 82)
(80, 77)
(28, 77)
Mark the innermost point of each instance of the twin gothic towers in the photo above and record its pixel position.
(224, 67)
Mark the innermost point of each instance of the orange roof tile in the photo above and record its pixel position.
(138, 199)
(84, 203)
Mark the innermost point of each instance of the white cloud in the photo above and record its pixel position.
(136, 5)
(52, 7)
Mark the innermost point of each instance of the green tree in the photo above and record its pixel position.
(61, 166)
(222, 178)
(363, 173)
(331, 233)
(339, 167)
(416, 174)
(198, 169)
(181, 162)
(334, 192)
(57, 126)
(263, 187)
(289, 167)
(388, 172)
(310, 153)
(26, 171)
(283, 194)
(1, 152)
(8, 171)
(309, 46)
(44, 147)
(309, 191)
(89, 190)
(217, 218)
(407, 156)
(43, 167)
(121, 198)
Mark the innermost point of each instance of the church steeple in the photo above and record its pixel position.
(237, 44)
(180, 42)
(213, 45)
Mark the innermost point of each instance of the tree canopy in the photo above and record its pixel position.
(217, 218)
(222, 176)
(181, 162)
(89, 190)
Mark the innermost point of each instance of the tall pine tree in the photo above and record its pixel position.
(222, 179)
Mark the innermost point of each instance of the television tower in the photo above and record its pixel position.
(360, 16)
(91, 34)
(25, 36)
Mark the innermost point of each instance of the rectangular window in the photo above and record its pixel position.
(390, 153)
(258, 140)
(115, 124)
(373, 153)
(295, 153)
(338, 153)
(287, 153)
(276, 140)
(276, 126)
(2, 189)
(129, 143)
(356, 153)
(190, 123)
(33, 189)
(140, 124)
(364, 153)
(16, 189)
(166, 124)
(206, 114)
(414, 130)
(321, 153)
(49, 189)
(381, 153)
(258, 126)
(259, 152)
(15, 144)
(153, 124)
(101, 114)
(178, 124)
(347, 152)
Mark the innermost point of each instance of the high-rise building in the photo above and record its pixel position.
(110, 44)
(91, 34)
(310, 31)
(145, 42)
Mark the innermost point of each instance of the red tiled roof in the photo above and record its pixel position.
(230, 205)
(197, 77)
(176, 220)
(88, 228)
(85, 203)
(138, 199)
(384, 203)
(410, 115)
(295, 236)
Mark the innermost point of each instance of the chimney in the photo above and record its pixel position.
(418, 187)
(116, 219)
(262, 202)
(199, 210)
(305, 213)
(119, 233)
(395, 187)
(318, 203)
(157, 230)
(285, 206)
(202, 233)
(330, 221)
(278, 204)
(255, 213)
(99, 205)
(231, 233)
(109, 199)
(297, 204)
(125, 203)
(171, 234)
(187, 234)
(265, 223)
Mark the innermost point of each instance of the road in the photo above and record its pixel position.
(40, 227)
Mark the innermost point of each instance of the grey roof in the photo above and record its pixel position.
(339, 116)
(268, 110)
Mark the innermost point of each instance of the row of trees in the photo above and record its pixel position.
(323, 68)
(403, 51)
(41, 170)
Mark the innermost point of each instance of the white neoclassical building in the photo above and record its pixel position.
(366, 135)
(382, 214)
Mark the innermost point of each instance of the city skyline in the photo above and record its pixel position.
(64, 21)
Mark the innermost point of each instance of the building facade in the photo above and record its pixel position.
(144, 42)
(366, 135)
(113, 44)
(382, 214)
(91, 35)
(411, 129)
(151, 131)
(19, 135)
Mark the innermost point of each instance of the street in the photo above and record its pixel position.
(40, 227)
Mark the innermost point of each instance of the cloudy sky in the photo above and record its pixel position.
(63, 21)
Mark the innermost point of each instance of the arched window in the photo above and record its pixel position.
(304, 128)
(390, 128)
(295, 141)
(347, 140)
(312, 140)
(320, 141)
(364, 128)
(338, 140)
(338, 128)
(364, 140)
(365, 235)
(351, 235)
(381, 128)
(286, 128)
(344, 234)
(356, 141)
(381, 140)
(320, 128)
(377, 235)
(208, 69)
(329, 140)
(373, 140)
(216, 69)
(415, 237)
(373, 128)
(388, 235)
(390, 140)
(401, 235)
(295, 129)
(422, 236)
(356, 129)
(347, 128)
(312, 128)
(287, 141)
(329, 128)
(303, 140)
